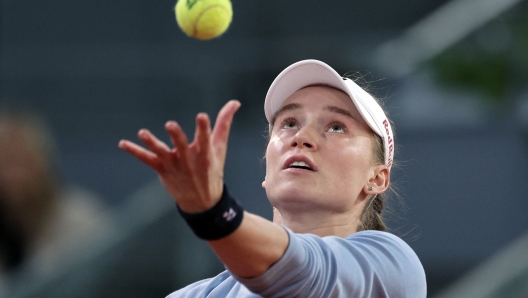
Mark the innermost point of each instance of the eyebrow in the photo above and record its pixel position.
(288, 107)
(338, 110)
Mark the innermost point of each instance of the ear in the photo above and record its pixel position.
(264, 183)
(379, 180)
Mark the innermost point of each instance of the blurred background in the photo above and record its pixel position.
(80, 218)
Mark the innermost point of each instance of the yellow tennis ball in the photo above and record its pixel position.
(204, 19)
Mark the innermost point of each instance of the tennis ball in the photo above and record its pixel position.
(204, 19)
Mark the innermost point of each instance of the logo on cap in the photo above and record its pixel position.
(390, 143)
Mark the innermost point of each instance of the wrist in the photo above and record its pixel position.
(217, 222)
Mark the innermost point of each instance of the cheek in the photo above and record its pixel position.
(275, 147)
(352, 161)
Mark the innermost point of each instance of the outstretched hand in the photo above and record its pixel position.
(192, 173)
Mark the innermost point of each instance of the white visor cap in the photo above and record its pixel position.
(313, 72)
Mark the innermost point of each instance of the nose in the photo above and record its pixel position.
(305, 138)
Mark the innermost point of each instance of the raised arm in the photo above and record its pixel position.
(193, 175)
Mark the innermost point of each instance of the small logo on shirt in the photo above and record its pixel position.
(229, 215)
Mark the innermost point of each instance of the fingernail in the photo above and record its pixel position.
(171, 124)
(142, 133)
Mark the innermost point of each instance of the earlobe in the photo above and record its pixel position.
(264, 184)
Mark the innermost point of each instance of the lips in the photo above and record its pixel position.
(299, 162)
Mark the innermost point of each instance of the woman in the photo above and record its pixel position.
(328, 162)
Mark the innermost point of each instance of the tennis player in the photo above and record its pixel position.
(328, 163)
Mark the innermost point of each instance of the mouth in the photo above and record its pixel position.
(300, 162)
(300, 165)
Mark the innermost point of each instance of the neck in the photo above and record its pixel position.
(323, 223)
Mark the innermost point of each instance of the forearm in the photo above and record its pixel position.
(252, 248)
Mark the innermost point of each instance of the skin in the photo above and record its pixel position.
(307, 201)
(321, 125)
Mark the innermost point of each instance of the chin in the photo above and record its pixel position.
(293, 193)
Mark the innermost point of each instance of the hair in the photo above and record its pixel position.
(371, 218)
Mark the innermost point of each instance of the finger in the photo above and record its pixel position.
(202, 133)
(178, 139)
(154, 144)
(223, 122)
(142, 154)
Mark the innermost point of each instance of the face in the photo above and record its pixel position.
(22, 167)
(320, 153)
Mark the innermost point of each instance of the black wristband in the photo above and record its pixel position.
(218, 222)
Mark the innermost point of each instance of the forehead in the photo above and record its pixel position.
(321, 97)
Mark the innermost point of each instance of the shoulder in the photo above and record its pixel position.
(384, 257)
(364, 244)
(394, 257)
(384, 242)
(360, 241)
(378, 246)
(382, 254)
(379, 239)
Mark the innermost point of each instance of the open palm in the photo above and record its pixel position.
(192, 173)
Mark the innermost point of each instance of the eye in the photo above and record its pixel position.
(289, 123)
(337, 127)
